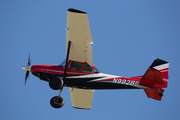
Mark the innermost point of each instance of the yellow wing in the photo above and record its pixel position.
(81, 98)
(78, 32)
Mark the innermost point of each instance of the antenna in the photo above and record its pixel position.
(153, 57)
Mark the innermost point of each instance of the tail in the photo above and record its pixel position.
(156, 77)
(163, 68)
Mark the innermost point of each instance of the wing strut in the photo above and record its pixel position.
(67, 58)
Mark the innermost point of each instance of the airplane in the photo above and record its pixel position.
(82, 77)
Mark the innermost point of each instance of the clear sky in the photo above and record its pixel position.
(126, 34)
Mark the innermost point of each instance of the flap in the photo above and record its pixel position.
(81, 98)
(78, 32)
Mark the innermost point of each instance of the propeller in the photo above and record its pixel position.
(27, 68)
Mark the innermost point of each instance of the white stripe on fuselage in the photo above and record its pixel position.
(59, 71)
(105, 76)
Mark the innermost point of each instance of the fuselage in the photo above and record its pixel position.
(86, 78)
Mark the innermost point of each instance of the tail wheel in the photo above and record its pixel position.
(56, 83)
(161, 94)
(57, 102)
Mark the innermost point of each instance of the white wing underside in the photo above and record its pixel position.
(81, 98)
(78, 32)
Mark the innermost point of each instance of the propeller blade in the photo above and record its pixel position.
(27, 75)
(29, 61)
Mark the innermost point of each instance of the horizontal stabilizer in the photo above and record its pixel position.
(154, 94)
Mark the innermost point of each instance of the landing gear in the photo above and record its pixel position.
(161, 94)
(56, 83)
(161, 91)
(57, 102)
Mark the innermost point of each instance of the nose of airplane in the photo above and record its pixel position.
(27, 68)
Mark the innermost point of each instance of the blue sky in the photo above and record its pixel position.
(126, 34)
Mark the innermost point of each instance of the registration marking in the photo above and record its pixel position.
(126, 82)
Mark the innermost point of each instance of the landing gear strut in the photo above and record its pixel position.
(57, 83)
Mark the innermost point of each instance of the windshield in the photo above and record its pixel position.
(96, 70)
(62, 64)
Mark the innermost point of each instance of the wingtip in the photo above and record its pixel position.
(76, 11)
(82, 108)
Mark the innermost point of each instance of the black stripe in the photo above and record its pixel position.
(98, 85)
(83, 82)
(157, 62)
(76, 11)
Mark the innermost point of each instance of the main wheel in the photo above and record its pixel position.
(56, 83)
(57, 102)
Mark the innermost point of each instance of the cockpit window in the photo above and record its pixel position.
(75, 66)
(78, 65)
(87, 68)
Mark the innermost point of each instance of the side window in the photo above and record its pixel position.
(75, 66)
(96, 70)
(87, 68)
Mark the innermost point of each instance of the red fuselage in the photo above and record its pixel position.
(83, 79)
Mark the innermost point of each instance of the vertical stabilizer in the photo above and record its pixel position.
(156, 78)
(163, 67)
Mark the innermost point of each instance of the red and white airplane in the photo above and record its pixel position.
(79, 74)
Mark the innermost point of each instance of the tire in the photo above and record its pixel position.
(161, 94)
(56, 83)
(57, 102)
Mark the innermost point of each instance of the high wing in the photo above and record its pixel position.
(81, 98)
(78, 32)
